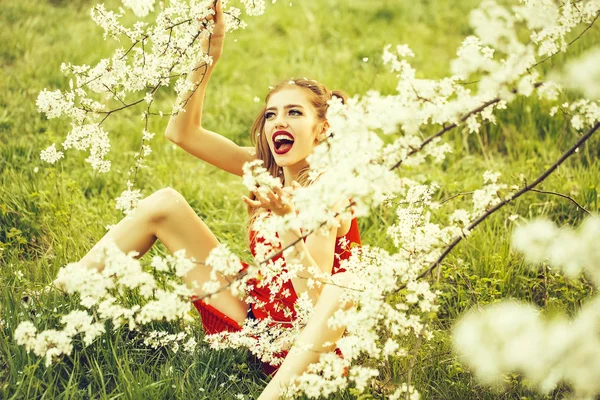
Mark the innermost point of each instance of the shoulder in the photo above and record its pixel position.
(345, 221)
(344, 227)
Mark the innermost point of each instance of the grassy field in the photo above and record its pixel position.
(51, 215)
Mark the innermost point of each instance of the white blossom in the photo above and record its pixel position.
(584, 74)
(257, 177)
(105, 296)
(513, 337)
(128, 200)
(140, 8)
(51, 155)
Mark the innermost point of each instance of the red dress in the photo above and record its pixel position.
(281, 309)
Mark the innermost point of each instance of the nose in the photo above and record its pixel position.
(280, 122)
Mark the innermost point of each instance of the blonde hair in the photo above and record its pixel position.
(318, 95)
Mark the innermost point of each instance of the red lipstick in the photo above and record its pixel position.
(283, 141)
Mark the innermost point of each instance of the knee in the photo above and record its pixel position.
(161, 204)
(344, 279)
(334, 293)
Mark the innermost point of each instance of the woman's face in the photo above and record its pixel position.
(290, 122)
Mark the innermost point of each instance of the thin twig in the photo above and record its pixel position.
(113, 93)
(447, 199)
(563, 196)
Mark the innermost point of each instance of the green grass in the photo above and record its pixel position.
(53, 216)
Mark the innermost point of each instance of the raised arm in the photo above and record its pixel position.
(185, 129)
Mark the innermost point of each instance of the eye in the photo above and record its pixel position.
(269, 114)
(297, 112)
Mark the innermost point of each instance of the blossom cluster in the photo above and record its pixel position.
(256, 177)
(124, 293)
(573, 251)
(583, 112)
(584, 74)
(156, 339)
(128, 199)
(53, 343)
(514, 337)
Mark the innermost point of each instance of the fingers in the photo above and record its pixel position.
(281, 193)
(273, 198)
(252, 203)
(277, 200)
(259, 195)
(261, 201)
(218, 12)
(284, 195)
(217, 16)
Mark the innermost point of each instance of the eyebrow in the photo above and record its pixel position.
(288, 106)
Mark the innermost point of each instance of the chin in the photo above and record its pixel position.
(284, 163)
(283, 160)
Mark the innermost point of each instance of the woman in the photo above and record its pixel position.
(286, 131)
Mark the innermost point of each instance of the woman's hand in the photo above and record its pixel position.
(278, 200)
(214, 46)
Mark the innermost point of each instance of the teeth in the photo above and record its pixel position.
(280, 138)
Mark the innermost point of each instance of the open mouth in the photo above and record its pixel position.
(282, 142)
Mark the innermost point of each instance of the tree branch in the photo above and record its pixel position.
(507, 200)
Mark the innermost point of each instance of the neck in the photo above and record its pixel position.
(290, 173)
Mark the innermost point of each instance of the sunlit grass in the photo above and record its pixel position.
(51, 215)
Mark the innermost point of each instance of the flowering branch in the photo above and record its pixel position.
(508, 199)
(454, 125)
(273, 256)
(569, 44)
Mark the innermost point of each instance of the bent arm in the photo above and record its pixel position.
(185, 130)
(316, 254)
(318, 251)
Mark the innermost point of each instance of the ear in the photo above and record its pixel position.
(323, 132)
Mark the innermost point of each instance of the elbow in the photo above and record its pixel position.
(174, 131)
(178, 134)
(171, 131)
(174, 134)
(172, 137)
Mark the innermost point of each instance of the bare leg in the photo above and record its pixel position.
(315, 334)
(165, 215)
